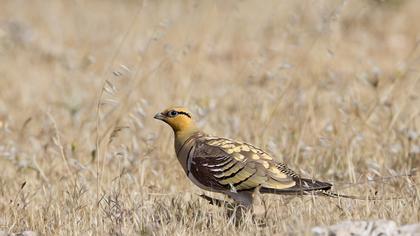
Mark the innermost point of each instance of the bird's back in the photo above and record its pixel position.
(221, 164)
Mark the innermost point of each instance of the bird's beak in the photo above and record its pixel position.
(159, 116)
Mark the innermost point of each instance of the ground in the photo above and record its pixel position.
(329, 87)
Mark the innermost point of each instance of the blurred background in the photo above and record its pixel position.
(329, 87)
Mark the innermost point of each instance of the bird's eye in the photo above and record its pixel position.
(173, 113)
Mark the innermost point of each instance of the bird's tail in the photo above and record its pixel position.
(329, 193)
(302, 187)
(318, 188)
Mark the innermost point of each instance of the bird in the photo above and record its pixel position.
(234, 168)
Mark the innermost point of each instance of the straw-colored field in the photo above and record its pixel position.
(332, 88)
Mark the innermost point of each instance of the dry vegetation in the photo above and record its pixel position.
(329, 87)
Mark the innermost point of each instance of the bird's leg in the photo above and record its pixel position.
(214, 201)
(235, 210)
(242, 205)
(259, 208)
(243, 198)
(237, 213)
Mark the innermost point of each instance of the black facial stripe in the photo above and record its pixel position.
(184, 113)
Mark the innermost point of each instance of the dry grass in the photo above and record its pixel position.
(330, 87)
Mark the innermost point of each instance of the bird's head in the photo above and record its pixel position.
(179, 118)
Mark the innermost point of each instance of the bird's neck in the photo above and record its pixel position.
(182, 136)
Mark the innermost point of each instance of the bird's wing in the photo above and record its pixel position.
(224, 164)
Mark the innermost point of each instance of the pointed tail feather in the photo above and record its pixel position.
(328, 193)
(302, 187)
(315, 187)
